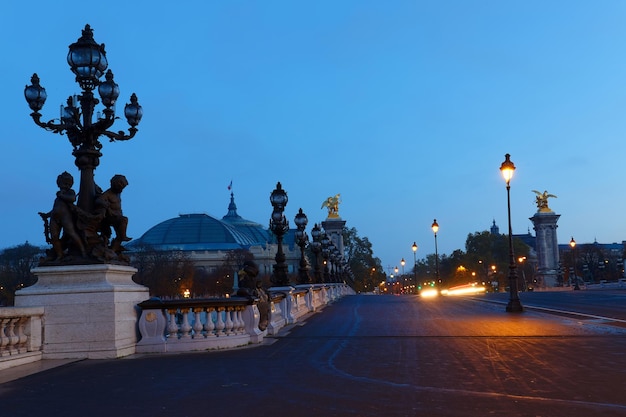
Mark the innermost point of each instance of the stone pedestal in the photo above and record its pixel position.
(334, 229)
(547, 248)
(90, 311)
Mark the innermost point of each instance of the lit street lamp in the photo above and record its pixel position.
(572, 243)
(325, 241)
(403, 262)
(435, 227)
(88, 236)
(414, 247)
(514, 305)
(396, 280)
(279, 226)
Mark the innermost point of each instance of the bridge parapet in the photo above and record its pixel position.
(20, 335)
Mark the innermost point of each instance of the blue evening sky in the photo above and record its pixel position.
(406, 108)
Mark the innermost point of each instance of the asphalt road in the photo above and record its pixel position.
(362, 356)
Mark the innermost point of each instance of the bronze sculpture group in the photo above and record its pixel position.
(79, 236)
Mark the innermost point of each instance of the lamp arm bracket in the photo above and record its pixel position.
(50, 125)
(120, 135)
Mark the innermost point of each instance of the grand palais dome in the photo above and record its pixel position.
(201, 232)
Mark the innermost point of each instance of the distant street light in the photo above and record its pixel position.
(414, 247)
(514, 305)
(572, 243)
(521, 260)
(435, 227)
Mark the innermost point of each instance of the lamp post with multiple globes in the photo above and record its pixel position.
(87, 60)
(279, 225)
(302, 239)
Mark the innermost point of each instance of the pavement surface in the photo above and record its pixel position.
(361, 356)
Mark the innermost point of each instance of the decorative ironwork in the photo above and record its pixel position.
(87, 224)
(279, 225)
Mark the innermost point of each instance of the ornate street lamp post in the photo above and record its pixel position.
(279, 226)
(403, 262)
(435, 227)
(396, 282)
(514, 305)
(325, 254)
(572, 243)
(338, 265)
(302, 239)
(316, 247)
(89, 237)
(414, 247)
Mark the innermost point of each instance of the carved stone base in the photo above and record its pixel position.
(90, 311)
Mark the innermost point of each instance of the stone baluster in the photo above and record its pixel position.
(22, 338)
(220, 325)
(172, 328)
(229, 321)
(197, 323)
(185, 327)
(13, 339)
(240, 323)
(4, 339)
(209, 327)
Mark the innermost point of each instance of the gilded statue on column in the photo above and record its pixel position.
(332, 204)
(542, 201)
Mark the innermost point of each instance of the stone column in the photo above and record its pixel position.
(547, 248)
(334, 229)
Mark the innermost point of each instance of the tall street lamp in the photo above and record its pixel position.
(414, 247)
(403, 262)
(279, 226)
(316, 247)
(514, 305)
(87, 234)
(435, 227)
(302, 239)
(325, 241)
(396, 282)
(572, 243)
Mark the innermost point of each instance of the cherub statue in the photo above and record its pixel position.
(542, 201)
(110, 205)
(62, 218)
(332, 204)
(252, 287)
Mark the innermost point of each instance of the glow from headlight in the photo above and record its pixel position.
(465, 289)
(429, 292)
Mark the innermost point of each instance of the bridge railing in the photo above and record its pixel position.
(178, 325)
(21, 335)
(222, 323)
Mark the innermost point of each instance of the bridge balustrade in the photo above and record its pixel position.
(20, 335)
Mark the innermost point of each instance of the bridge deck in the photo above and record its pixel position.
(362, 356)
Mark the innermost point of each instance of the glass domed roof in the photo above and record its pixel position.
(201, 232)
